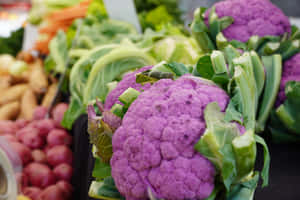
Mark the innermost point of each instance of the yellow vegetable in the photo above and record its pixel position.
(38, 80)
(10, 111)
(13, 93)
(21, 197)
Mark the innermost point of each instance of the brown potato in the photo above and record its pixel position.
(28, 105)
(10, 111)
(38, 80)
(49, 95)
(13, 93)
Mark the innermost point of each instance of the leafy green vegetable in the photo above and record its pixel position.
(177, 48)
(154, 13)
(284, 123)
(13, 44)
(105, 189)
(58, 53)
(288, 112)
(101, 169)
(109, 67)
(222, 145)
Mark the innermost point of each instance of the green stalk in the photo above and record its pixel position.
(231, 53)
(221, 41)
(245, 62)
(259, 72)
(273, 66)
(254, 42)
(269, 48)
(117, 109)
(218, 62)
(129, 96)
(247, 92)
(244, 148)
(200, 31)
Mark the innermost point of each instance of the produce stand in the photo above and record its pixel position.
(156, 100)
(284, 169)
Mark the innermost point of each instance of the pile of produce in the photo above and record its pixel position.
(165, 133)
(260, 26)
(44, 148)
(24, 86)
(58, 20)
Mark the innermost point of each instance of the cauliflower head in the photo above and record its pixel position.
(252, 17)
(154, 146)
(290, 72)
(127, 82)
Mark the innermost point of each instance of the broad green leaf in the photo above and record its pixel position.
(288, 113)
(109, 67)
(101, 170)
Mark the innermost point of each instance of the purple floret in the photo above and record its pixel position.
(252, 17)
(290, 72)
(127, 82)
(154, 147)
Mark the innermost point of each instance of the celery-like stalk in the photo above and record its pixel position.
(246, 90)
(118, 110)
(221, 41)
(218, 62)
(273, 66)
(244, 148)
(200, 31)
(129, 96)
(259, 72)
(230, 54)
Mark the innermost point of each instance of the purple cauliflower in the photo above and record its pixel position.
(154, 146)
(252, 17)
(127, 81)
(290, 72)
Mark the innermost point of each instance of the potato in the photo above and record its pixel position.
(5, 82)
(38, 80)
(28, 105)
(13, 93)
(47, 100)
(10, 111)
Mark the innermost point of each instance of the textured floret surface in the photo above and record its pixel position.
(154, 146)
(290, 72)
(252, 17)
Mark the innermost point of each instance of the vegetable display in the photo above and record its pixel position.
(176, 140)
(24, 86)
(262, 27)
(44, 149)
